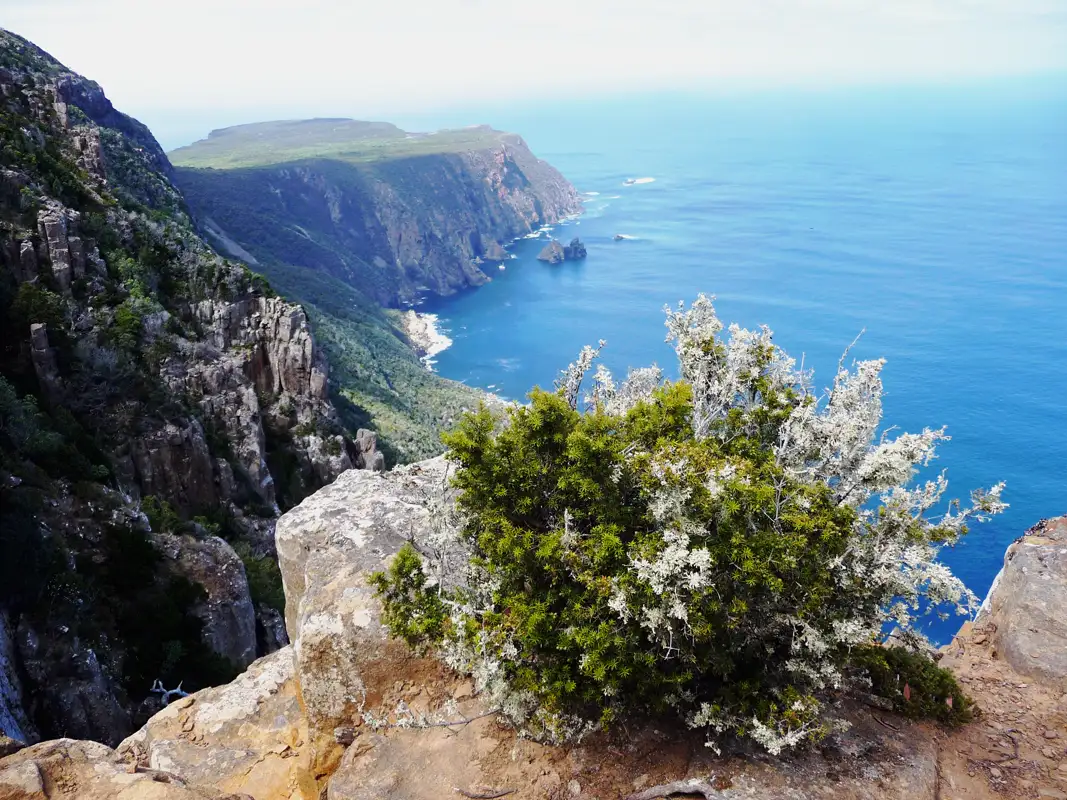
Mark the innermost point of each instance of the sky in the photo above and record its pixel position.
(186, 66)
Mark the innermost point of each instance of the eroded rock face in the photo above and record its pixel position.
(13, 720)
(89, 771)
(327, 548)
(228, 615)
(248, 736)
(1027, 604)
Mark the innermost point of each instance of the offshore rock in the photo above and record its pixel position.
(227, 613)
(1025, 606)
(248, 736)
(575, 250)
(552, 253)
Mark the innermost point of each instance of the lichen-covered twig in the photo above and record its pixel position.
(688, 786)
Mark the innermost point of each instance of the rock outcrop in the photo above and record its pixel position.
(90, 771)
(226, 611)
(1026, 607)
(327, 548)
(556, 253)
(246, 737)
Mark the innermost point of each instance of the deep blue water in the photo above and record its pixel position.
(935, 219)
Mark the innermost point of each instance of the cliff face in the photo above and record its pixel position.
(394, 228)
(152, 394)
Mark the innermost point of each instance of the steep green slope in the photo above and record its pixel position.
(152, 395)
(380, 382)
(349, 217)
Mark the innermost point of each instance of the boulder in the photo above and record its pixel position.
(248, 736)
(1025, 606)
(327, 548)
(90, 771)
(552, 253)
(227, 613)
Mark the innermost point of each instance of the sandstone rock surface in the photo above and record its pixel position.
(68, 768)
(1028, 604)
(327, 547)
(248, 737)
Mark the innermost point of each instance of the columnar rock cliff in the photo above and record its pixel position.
(158, 408)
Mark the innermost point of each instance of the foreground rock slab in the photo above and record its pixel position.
(68, 768)
(248, 736)
(871, 761)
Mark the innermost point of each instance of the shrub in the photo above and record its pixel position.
(720, 547)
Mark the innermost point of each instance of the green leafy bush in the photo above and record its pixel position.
(706, 547)
(916, 686)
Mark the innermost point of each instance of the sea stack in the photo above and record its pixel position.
(556, 253)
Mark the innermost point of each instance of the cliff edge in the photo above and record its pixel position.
(346, 713)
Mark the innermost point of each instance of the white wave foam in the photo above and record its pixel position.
(591, 194)
(424, 332)
(502, 266)
(613, 197)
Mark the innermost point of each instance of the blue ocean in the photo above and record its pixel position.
(934, 219)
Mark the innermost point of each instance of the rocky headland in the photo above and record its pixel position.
(345, 712)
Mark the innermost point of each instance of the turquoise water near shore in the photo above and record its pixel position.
(934, 219)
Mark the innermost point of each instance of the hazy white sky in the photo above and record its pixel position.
(253, 58)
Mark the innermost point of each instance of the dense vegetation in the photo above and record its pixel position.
(728, 547)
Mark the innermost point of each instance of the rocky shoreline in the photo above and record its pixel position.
(425, 337)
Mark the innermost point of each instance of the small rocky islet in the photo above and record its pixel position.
(556, 253)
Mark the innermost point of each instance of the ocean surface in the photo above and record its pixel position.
(935, 219)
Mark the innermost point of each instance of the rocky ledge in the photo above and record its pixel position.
(293, 726)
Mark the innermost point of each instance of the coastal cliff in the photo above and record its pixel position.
(306, 721)
(159, 407)
(395, 220)
(354, 219)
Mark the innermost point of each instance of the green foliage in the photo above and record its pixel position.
(34, 303)
(161, 515)
(349, 140)
(264, 577)
(932, 691)
(412, 611)
(564, 516)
